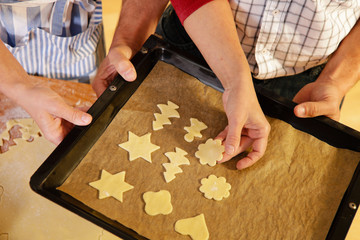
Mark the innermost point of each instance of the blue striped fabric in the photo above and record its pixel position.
(43, 50)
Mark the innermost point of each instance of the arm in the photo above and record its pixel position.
(212, 29)
(341, 73)
(46, 107)
(138, 20)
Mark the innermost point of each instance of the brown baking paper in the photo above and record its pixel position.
(293, 192)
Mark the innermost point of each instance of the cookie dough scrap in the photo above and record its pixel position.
(194, 227)
(28, 129)
(194, 130)
(158, 202)
(210, 152)
(139, 147)
(111, 185)
(215, 188)
(167, 111)
(176, 159)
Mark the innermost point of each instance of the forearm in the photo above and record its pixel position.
(138, 20)
(14, 78)
(212, 29)
(343, 68)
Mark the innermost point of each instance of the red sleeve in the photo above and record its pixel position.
(185, 8)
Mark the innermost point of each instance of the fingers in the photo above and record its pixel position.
(56, 123)
(72, 115)
(99, 86)
(314, 109)
(120, 59)
(259, 147)
(246, 142)
(51, 128)
(256, 138)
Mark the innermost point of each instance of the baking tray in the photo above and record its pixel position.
(66, 157)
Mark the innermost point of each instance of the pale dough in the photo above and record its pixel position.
(176, 159)
(25, 214)
(170, 171)
(111, 185)
(194, 227)
(28, 129)
(194, 130)
(215, 188)
(210, 152)
(158, 202)
(139, 147)
(167, 111)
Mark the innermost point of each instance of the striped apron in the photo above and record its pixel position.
(52, 52)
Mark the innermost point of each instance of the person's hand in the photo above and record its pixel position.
(317, 99)
(116, 62)
(54, 117)
(247, 126)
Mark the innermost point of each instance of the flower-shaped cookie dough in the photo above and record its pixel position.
(215, 188)
(210, 152)
(157, 202)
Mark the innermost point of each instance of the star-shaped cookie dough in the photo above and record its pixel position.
(111, 185)
(139, 147)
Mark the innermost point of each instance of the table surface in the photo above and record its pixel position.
(81, 95)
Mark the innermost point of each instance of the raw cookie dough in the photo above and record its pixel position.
(111, 185)
(170, 171)
(28, 129)
(210, 152)
(167, 111)
(194, 227)
(194, 130)
(215, 188)
(158, 202)
(176, 159)
(25, 214)
(139, 147)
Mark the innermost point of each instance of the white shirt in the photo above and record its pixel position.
(284, 37)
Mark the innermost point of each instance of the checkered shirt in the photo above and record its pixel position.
(285, 37)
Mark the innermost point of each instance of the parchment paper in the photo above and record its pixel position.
(293, 192)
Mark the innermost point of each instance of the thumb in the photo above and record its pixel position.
(313, 109)
(72, 115)
(233, 137)
(120, 59)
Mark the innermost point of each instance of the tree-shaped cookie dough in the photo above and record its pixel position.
(194, 130)
(176, 159)
(139, 147)
(210, 152)
(215, 188)
(158, 202)
(194, 227)
(111, 185)
(167, 111)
